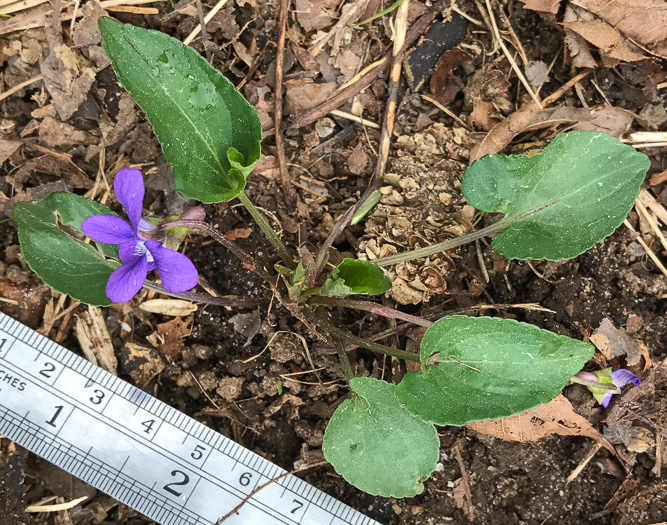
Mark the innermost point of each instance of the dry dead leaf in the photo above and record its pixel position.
(644, 21)
(141, 363)
(609, 120)
(502, 134)
(481, 116)
(170, 336)
(555, 417)
(172, 307)
(86, 32)
(91, 331)
(313, 15)
(238, 233)
(543, 6)
(358, 160)
(616, 342)
(7, 148)
(67, 86)
(606, 38)
(306, 95)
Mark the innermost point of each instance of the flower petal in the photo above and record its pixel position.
(606, 399)
(126, 281)
(622, 377)
(177, 272)
(108, 229)
(129, 188)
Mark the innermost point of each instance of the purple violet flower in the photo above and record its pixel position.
(137, 254)
(619, 378)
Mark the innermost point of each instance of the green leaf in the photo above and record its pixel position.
(377, 445)
(584, 184)
(67, 265)
(209, 133)
(488, 368)
(353, 276)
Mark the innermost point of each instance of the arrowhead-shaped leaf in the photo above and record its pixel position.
(353, 276)
(67, 265)
(377, 445)
(209, 133)
(488, 368)
(584, 184)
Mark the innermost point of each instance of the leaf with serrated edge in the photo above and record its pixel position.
(209, 133)
(353, 276)
(65, 264)
(488, 368)
(585, 182)
(377, 445)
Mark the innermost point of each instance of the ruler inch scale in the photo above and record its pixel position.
(139, 450)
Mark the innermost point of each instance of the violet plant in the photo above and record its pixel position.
(556, 205)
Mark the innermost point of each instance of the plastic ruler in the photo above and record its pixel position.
(139, 450)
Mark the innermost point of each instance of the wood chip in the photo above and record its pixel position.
(91, 331)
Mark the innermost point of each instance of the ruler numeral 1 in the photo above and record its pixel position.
(52, 421)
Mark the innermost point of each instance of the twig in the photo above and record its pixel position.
(19, 87)
(207, 19)
(445, 110)
(654, 226)
(508, 55)
(310, 116)
(648, 250)
(358, 341)
(594, 450)
(204, 34)
(288, 189)
(236, 509)
(256, 64)
(206, 298)
(374, 308)
(245, 258)
(354, 118)
(400, 30)
(469, 510)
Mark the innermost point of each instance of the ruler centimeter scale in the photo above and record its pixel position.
(139, 450)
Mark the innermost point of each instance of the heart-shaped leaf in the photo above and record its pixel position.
(488, 368)
(209, 133)
(584, 184)
(66, 264)
(377, 445)
(353, 276)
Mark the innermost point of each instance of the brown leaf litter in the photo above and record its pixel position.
(556, 417)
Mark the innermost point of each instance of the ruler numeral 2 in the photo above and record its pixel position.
(184, 481)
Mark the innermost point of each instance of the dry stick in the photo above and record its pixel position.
(512, 62)
(204, 34)
(400, 30)
(648, 250)
(288, 189)
(310, 116)
(19, 87)
(654, 226)
(374, 308)
(207, 19)
(255, 66)
(469, 510)
(206, 298)
(264, 485)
